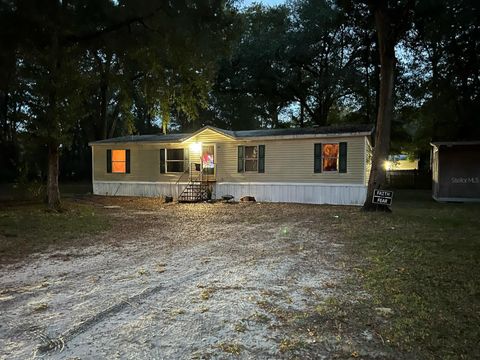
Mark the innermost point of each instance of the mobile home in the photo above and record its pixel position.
(322, 165)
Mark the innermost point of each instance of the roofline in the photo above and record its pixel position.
(304, 136)
(453, 143)
(238, 138)
(244, 138)
(100, 142)
(91, 143)
(134, 142)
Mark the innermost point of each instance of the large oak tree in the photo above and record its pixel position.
(392, 20)
(165, 51)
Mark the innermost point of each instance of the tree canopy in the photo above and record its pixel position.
(75, 71)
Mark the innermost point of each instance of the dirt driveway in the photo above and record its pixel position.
(181, 281)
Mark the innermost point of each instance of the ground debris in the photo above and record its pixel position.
(236, 285)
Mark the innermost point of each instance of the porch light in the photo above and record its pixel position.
(196, 147)
(388, 165)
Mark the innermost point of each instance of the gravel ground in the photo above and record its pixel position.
(187, 281)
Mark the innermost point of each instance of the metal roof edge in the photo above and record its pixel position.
(305, 136)
(233, 135)
(453, 143)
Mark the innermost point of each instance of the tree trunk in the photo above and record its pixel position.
(385, 109)
(104, 85)
(103, 106)
(115, 115)
(53, 192)
(302, 115)
(164, 127)
(274, 116)
(3, 115)
(165, 113)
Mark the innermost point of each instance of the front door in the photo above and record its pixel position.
(208, 161)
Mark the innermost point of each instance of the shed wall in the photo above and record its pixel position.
(458, 172)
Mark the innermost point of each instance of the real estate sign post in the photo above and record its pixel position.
(382, 197)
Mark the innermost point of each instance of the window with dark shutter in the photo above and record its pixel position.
(317, 156)
(261, 158)
(117, 161)
(251, 158)
(330, 157)
(175, 160)
(241, 158)
(162, 161)
(109, 161)
(342, 161)
(127, 161)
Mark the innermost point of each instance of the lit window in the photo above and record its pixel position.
(119, 161)
(251, 158)
(176, 160)
(330, 157)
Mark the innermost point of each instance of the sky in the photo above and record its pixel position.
(265, 2)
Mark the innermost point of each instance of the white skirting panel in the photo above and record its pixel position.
(308, 193)
(148, 189)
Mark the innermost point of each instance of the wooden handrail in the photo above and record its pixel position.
(192, 169)
(181, 176)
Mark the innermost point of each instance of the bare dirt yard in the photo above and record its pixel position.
(192, 281)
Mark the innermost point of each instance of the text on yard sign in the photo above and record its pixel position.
(382, 197)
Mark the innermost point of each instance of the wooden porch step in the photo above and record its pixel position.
(195, 191)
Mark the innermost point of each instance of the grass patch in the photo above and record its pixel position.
(28, 228)
(240, 327)
(290, 344)
(36, 191)
(421, 261)
(260, 318)
(230, 348)
(206, 294)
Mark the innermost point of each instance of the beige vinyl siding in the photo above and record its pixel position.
(286, 160)
(144, 162)
(145, 158)
(209, 136)
(292, 161)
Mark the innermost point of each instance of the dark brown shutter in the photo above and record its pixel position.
(241, 158)
(109, 161)
(261, 158)
(162, 161)
(342, 161)
(317, 156)
(127, 164)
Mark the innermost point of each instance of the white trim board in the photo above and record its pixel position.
(226, 183)
(306, 193)
(141, 182)
(456, 199)
(287, 184)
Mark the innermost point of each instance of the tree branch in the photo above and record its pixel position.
(78, 38)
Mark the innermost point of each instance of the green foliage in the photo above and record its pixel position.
(28, 228)
(250, 88)
(439, 96)
(293, 65)
(83, 70)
